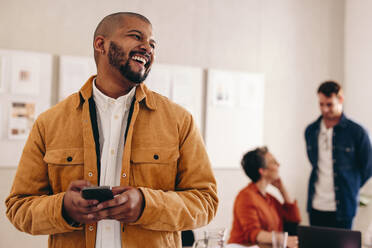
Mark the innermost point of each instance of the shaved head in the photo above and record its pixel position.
(112, 22)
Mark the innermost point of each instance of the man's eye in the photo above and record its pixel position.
(137, 37)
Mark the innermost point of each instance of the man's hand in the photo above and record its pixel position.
(127, 205)
(75, 207)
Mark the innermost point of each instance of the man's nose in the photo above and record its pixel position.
(324, 109)
(145, 46)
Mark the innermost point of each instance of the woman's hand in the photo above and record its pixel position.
(292, 242)
(277, 184)
(280, 186)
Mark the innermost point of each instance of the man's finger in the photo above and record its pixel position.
(78, 185)
(120, 189)
(117, 201)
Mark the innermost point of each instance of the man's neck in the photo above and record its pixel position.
(112, 86)
(331, 122)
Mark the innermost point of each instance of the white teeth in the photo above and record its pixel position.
(140, 59)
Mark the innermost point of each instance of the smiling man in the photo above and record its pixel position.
(118, 133)
(340, 153)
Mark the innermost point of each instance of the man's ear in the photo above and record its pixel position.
(340, 98)
(99, 44)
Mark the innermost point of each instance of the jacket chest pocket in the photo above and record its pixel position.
(345, 155)
(64, 166)
(154, 168)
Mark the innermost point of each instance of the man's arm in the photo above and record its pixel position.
(194, 202)
(30, 206)
(364, 156)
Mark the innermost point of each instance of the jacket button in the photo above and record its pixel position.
(69, 159)
(156, 156)
(124, 174)
(90, 174)
(91, 228)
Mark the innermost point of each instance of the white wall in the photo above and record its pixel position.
(296, 44)
(358, 74)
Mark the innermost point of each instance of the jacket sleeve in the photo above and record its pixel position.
(194, 201)
(290, 212)
(364, 155)
(30, 206)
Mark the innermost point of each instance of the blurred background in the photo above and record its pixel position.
(294, 44)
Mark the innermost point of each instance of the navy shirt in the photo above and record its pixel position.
(352, 163)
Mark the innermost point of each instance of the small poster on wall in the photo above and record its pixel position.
(73, 73)
(21, 119)
(223, 93)
(25, 75)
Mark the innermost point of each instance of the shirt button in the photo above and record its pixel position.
(91, 228)
(112, 151)
(90, 174)
(116, 117)
(108, 228)
(124, 174)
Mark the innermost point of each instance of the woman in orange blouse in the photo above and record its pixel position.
(256, 212)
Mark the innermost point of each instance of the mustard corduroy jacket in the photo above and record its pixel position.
(178, 183)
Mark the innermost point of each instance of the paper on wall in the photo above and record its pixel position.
(21, 119)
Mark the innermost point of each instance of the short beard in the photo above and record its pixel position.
(116, 55)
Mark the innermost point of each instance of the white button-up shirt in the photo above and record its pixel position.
(324, 197)
(112, 117)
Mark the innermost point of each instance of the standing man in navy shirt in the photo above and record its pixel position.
(340, 154)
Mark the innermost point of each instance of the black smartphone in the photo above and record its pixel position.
(100, 193)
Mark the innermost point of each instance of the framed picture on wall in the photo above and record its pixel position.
(223, 92)
(25, 74)
(73, 73)
(21, 119)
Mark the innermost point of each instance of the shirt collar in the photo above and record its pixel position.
(142, 93)
(102, 101)
(323, 128)
(342, 123)
(254, 187)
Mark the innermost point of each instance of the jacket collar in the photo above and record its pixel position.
(142, 94)
(342, 123)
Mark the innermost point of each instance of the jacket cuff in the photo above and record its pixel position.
(290, 205)
(252, 236)
(151, 209)
(58, 218)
